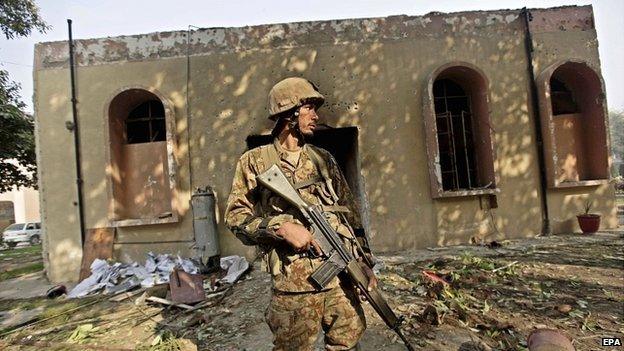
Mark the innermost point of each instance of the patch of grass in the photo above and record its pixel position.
(14, 273)
(23, 304)
(28, 250)
(61, 308)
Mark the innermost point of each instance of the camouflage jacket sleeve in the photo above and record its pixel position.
(242, 215)
(346, 198)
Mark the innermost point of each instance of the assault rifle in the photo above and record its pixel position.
(337, 257)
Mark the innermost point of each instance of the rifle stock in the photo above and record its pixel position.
(275, 180)
(338, 258)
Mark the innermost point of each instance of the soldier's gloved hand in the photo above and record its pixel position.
(298, 237)
(372, 279)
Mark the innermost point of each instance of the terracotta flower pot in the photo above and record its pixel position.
(589, 223)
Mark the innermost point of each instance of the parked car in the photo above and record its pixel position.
(22, 232)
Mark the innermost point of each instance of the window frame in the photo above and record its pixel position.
(172, 162)
(431, 135)
(548, 125)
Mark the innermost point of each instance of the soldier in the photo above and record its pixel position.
(298, 311)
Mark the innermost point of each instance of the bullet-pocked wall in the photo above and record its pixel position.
(581, 48)
(375, 74)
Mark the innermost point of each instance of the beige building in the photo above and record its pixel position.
(432, 119)
(19, 206)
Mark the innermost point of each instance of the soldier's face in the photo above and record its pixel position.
(307, 119)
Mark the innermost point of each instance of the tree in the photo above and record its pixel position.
(616, 126)
(18, 18)
(18, 165)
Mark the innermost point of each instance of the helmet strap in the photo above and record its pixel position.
(293, 123)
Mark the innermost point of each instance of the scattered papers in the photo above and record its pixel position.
(235, 266)
(120, 277)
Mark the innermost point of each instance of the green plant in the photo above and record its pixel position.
(588, 206)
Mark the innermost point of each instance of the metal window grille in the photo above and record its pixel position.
(146, 123)
(455, 136)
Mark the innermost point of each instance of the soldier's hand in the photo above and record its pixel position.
(298, 237)
(372, 279)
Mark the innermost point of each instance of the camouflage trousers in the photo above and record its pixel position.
(296, 319)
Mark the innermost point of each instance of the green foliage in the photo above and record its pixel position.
(18, 166)
(26, 251)
(616, 127)
(18, 18)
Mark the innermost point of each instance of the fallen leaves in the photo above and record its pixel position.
(82, 333)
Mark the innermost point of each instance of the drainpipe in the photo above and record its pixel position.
(528, 44)
(74, 127)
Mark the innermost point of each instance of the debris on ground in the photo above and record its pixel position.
(452, 298)
(120, 277)
(235, 267)
(186, 287)
(56, 291)
(169, 303)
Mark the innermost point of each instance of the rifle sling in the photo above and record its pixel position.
(270, 157)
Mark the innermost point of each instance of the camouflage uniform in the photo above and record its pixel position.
(297, 309)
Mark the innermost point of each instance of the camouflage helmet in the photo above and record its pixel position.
(290, 93)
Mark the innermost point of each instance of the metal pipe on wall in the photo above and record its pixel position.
(528, 44)
(74, 128)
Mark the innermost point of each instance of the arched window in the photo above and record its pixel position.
(572, 108)
(459, 143)
(142, 165)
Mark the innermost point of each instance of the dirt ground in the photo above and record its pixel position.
(491, 299)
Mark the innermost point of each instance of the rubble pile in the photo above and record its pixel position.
(118, 277)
